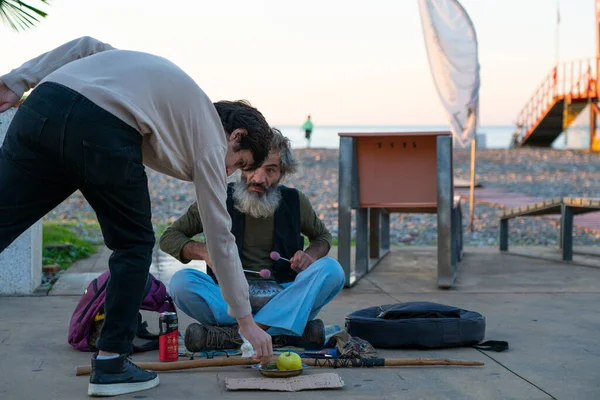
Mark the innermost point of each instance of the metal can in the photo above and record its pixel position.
(168, 339)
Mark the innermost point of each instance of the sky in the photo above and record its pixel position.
(345, 62)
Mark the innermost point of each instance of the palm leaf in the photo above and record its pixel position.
(19, 15)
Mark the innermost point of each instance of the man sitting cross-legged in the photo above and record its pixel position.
(266, 216)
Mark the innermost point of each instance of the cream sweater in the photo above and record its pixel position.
(182, 133)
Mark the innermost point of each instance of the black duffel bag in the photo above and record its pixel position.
(420, 324)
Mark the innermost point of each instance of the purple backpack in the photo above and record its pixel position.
(87, 318)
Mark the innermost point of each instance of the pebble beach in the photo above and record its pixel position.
(542, 173)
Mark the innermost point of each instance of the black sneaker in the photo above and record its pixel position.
(116, 376)
(199, 337)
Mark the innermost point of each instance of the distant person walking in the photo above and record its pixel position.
(308, 128)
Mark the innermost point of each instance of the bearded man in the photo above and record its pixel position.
(266, 216)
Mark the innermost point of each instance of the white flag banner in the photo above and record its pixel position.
(451, 44)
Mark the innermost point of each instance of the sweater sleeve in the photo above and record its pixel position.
(211, 190)
(181, 232)
(28, 75)
(312, 226)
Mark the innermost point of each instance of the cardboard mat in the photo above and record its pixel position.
(328, 380)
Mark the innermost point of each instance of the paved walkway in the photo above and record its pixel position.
(589, 222)
(547, 311)
(74, 281)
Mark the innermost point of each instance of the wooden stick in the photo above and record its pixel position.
(313, 362)
(180, 365)
(383, 362)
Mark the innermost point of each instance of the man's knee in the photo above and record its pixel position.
(139, 255)
(179, 284)
(182, 280)
(333, 270)
(186, 287)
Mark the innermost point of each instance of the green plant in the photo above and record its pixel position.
(20, 15)
(334, 242)
(62, 245)
(159, 228)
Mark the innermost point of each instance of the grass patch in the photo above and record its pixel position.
(71, 244)
(334, 242)
(159, 229)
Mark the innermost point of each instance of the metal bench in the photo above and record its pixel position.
(396, 172)
(566, 207)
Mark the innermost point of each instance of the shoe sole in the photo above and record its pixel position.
(116, 389)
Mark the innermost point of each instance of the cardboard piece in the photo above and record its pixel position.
(328, 380)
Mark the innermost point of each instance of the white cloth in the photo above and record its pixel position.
(452, 51)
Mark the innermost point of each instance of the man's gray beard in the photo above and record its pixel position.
(257, 205)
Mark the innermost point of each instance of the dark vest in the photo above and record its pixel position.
(287, 234)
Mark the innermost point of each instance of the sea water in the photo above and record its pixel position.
(496, 136)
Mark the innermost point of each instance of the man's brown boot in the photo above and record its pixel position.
(313, 337)
(199, 337)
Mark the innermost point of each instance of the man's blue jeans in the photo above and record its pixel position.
(197, 295)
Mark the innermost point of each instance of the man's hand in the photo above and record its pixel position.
(8, 98)
(258, 338)
(196, 251)
(301, 261)
(208, 261)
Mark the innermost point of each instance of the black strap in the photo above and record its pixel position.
(148, 346)
(170, 300)
(142, 332)
(492, 345)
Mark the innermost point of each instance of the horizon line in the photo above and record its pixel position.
(385, 125)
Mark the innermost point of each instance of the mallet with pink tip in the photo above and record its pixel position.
(276, 257)
(264, 273)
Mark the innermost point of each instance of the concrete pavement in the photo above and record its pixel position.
(547, 311)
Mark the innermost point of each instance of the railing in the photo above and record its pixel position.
(576, 78)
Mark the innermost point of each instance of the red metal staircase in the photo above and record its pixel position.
(566, 91)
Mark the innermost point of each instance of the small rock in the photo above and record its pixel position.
(50, 269)
(406, 239)
(60, 247)
(539, 173)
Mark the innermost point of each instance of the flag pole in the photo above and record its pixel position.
(557, 33)
(472, 184)
(475, 122)
(432, 39)
(472, 191)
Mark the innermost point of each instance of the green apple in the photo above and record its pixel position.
(289, 361)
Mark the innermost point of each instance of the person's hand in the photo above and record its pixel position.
(301, 261)
(258, 338)
(206, 257)
(8, 98)
(196, 251)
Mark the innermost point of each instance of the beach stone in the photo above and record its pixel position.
(21, 262)
(60, 247)
(543, 173)
(50, 269)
